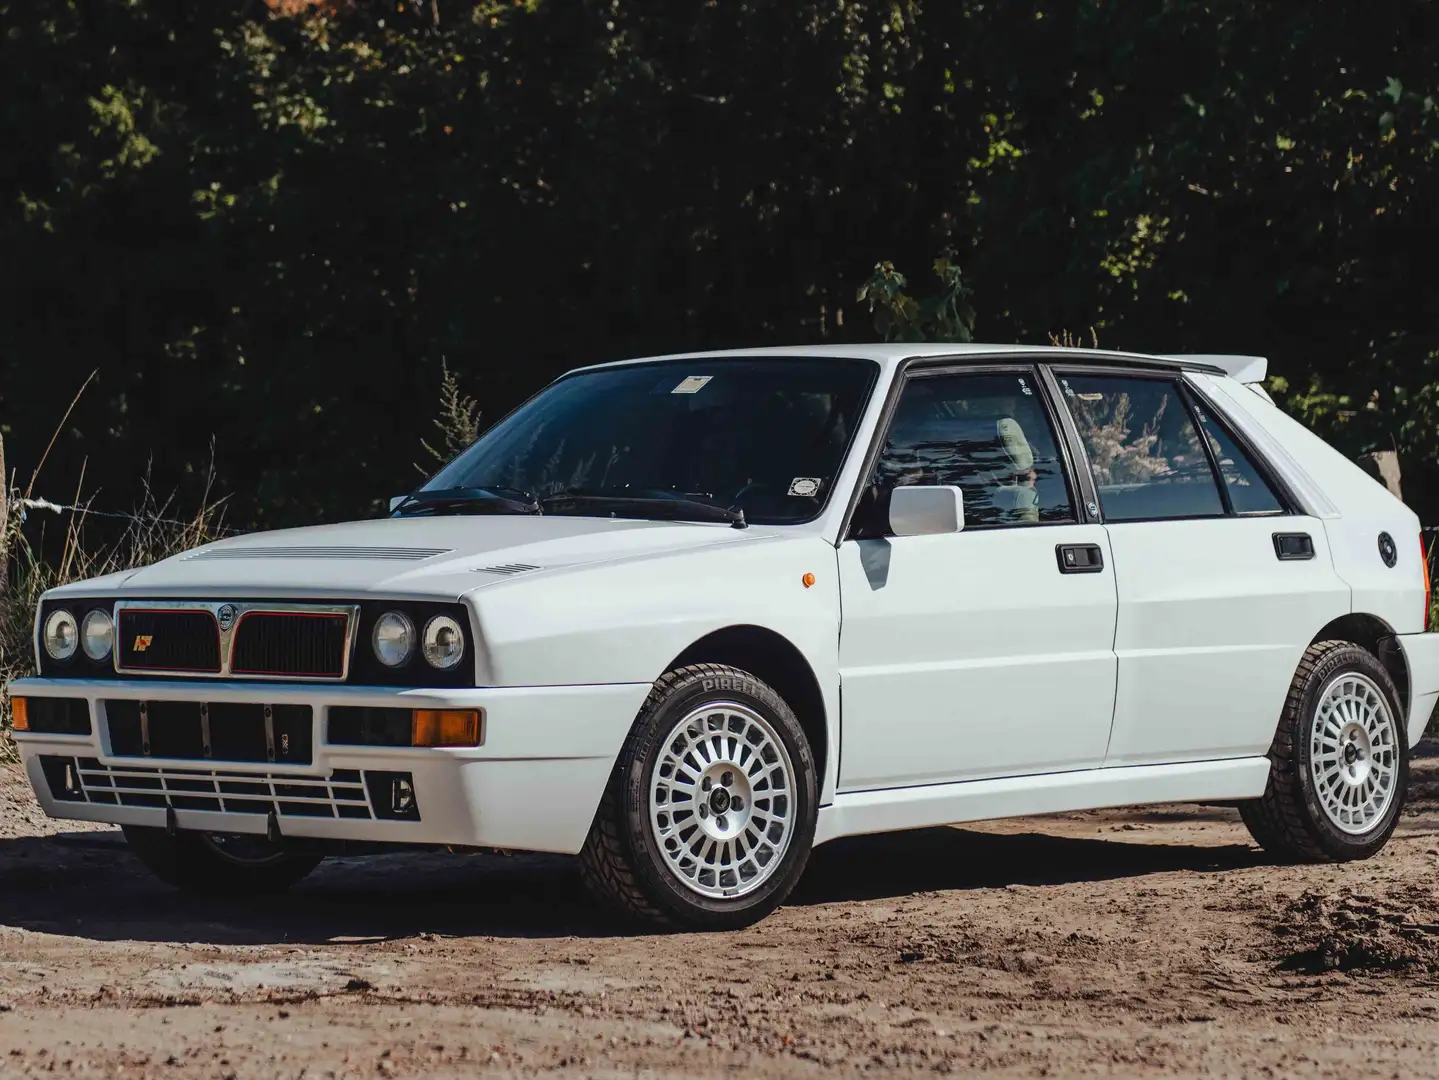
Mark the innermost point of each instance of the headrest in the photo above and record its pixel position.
(1016, 446)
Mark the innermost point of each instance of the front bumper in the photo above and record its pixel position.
(1421, 656)
(533, 784)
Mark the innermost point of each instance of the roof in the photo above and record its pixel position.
(890, 354)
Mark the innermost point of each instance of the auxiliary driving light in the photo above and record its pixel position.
(444, 642)
(445, 727)
(394, 639)
(97, 635)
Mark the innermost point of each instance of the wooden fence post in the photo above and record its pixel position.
(4, 521)
(1383, 465)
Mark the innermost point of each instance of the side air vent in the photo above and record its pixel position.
(390, 554)
(504, 569)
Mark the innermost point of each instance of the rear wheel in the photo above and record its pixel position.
(1339, 763)
(710, 811)
(218, 864)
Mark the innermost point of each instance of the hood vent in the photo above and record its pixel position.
(504, 569)
(387, 554)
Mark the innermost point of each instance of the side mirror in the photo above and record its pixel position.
(395, 501)
(923, 510)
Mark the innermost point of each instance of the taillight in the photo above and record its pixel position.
(1428, 590)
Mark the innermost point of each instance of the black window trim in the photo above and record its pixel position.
(1185, 388)
(1020, 365)
(1044, 360)
(1288, 502)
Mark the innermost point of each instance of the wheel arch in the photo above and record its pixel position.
(1376, 636)
(774, 659)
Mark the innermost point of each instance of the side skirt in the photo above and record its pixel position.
(893, 809)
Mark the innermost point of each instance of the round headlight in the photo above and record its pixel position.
(62, 636)
(97, 635)
(444, 642)
(394, 639)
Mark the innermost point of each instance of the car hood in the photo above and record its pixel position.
(409, 558)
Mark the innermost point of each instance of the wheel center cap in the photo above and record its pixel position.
(719, 801)
(1351, 754)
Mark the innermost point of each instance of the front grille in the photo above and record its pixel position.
(154, 639)
(218, 731)
(339, 795)
(301, 644)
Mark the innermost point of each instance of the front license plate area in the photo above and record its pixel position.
(214, 731)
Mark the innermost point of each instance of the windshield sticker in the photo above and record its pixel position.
(692, 385)
(804, 486)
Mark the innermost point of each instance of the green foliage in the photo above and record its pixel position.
(268, 229)
(898, 316)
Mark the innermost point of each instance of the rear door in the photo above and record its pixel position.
(1221, 585)
(986, 652)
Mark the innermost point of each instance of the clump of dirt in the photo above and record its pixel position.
(1019, 950)
(1360, 933)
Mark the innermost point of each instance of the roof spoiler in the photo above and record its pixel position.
(1245, 369)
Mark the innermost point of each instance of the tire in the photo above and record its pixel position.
(1322, 813)
(640, 856)
(197, 863)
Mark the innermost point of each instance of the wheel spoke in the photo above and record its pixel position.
(719, 800)
(1353, 752)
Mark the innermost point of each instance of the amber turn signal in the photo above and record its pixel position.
(445, 727)
(807, 580)
(20, 714)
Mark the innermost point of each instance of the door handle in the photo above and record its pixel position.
(1289, 547)
(1079, 558)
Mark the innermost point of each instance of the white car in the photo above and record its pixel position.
(689, 617)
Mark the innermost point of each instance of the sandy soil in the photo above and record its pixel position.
(1115, 943)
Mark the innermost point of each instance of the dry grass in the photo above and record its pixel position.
(32, 562)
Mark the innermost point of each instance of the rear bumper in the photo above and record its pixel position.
(533, 784)
(1421, 656)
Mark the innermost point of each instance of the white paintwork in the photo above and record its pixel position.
(971, 655)
(1048, 793)
(561, 740)
(922, 510)
(1421, 657)
(1211, 628)
(962, 676)
(1396, 596)
(1249, 370)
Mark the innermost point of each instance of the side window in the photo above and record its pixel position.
(1145, 453)
(1249, 492)
(989, 435)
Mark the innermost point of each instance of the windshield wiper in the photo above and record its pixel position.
(645, 502)
(494, 500)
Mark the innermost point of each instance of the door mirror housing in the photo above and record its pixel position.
(923, 510)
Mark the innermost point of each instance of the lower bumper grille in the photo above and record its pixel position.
(339, 795)
(218, 731)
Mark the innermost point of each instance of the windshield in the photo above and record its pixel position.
(763, 436)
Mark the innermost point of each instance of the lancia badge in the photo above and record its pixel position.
(226, 616)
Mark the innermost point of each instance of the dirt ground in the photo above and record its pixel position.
(1114, 943)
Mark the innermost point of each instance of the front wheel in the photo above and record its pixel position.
(709, 814)
(215, 864)
(1339, 763)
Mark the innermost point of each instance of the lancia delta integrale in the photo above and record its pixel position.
(689, 617)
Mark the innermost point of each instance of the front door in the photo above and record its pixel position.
(987, 652)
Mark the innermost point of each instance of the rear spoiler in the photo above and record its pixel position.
(1245, 369)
